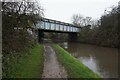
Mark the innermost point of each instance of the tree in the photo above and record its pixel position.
(87, 21)
(104, 32)
(18, 15)
(77, 20)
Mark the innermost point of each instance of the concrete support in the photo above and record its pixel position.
(40, 35)
(72, 37)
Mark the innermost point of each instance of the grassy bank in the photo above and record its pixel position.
(74, 68)
(29, 66)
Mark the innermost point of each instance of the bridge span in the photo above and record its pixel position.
(57, 26)
(49, 25)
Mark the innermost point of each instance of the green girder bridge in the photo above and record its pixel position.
(49, 25)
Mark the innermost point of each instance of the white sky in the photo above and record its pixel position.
(62, 10)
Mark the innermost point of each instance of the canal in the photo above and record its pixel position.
(102, 60)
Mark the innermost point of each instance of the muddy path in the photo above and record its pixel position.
(52, 68)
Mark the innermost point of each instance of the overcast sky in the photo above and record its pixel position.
(62, 10)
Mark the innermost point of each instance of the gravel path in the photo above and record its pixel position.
(52, 68)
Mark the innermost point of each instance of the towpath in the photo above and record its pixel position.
(52, 68)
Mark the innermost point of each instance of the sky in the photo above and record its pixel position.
(62, 10)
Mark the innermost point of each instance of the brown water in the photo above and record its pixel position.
(102, 60)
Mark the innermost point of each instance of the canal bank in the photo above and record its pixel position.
(74, 68)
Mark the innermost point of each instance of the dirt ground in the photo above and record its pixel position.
(52, 68)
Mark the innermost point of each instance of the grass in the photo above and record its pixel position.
(30, 66)
(74, 68)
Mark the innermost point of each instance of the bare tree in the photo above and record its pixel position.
(87, 21)
(79, 20)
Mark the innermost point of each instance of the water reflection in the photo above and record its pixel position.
(91, 63)
(102, 60)
(65, 44)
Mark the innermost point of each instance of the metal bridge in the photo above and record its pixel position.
(53, 25)
(49, 25)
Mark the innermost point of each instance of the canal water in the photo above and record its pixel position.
(102, 60)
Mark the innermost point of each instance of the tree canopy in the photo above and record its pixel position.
(105, 31)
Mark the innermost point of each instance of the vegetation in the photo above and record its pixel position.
(29, 66)
(103, 32)
(75, 68)
(18, 20)
(17, 17)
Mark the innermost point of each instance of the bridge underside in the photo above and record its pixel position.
(44, 30)
(72, 36)
(48, 25)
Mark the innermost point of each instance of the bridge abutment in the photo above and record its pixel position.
(40, 35)
(72, 37)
